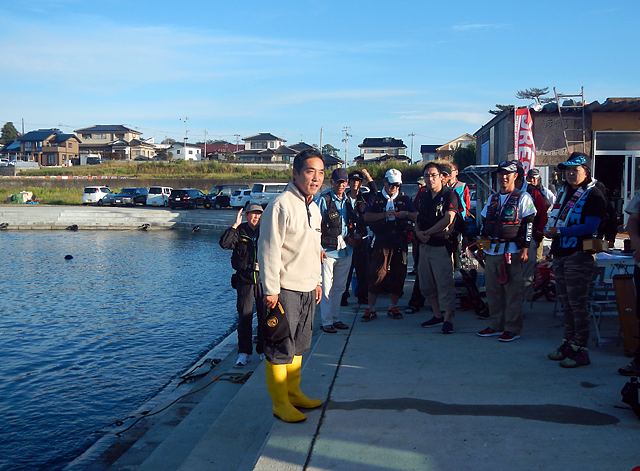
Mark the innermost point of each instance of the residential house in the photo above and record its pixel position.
(381, 149)
(265, 147)
(178, 151)
(217, 149)
(11, 151)
(115, 141)
(609, 133)
(429, 152)
(49, 147)
(445, 151)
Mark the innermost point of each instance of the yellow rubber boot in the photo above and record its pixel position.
(277, 385)
(296, 396)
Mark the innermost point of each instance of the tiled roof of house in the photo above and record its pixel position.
(300, 146)
(38, 135)
(286, 150)
(382, 142)
(429, 148)
(108, 128)
(330, 160)
(263, 136)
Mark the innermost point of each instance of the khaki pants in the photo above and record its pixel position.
(505, 301)
(435, 270)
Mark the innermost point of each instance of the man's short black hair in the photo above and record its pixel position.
(432, 165)
(305, 155)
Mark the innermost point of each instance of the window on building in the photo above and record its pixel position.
(99, 136)
(272, 145)
(178, 151)
(259, 145)
(190, 152)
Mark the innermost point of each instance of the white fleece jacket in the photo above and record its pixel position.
(289, 244)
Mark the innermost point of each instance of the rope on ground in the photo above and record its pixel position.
(232, 377)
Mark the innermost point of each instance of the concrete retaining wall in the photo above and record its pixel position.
(111, 218)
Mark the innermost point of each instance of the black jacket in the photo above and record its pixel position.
(244, 243)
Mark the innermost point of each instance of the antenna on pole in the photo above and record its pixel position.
(346, 130)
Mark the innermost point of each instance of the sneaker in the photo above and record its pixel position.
(394, 313)
(433, 321)
(632, 369)
(447, 327)
(489, 332)
(562, 352)
(508, 336)
(263, 357)
(369, 315)
(411, 310)
(243, 359)
(579, 356)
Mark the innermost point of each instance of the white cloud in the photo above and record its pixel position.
(476, 26)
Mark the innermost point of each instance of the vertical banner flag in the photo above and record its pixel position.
(525, 149)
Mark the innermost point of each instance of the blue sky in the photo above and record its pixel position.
(384, 69)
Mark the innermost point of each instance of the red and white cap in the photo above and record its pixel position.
(393, 176)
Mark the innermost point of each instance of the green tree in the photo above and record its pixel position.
(168, 140)
(536, 94)
(9, 134)
(501, 108)
(330, 150)
(464, 156)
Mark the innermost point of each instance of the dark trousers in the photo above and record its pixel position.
(636, 280)
(359, 262)
(247, 294)
(417, 300)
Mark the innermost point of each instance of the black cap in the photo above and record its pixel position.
(356, 175)
(534, 172)
(509, 166)
(339, 174)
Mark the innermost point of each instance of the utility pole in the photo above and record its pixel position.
(186, 134)
(321, 151)
(346, 130)
(205, 145)
(412, 135)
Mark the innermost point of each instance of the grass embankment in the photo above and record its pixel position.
(71, 196)
(159, 170)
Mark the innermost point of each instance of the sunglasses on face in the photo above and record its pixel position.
(394, 185)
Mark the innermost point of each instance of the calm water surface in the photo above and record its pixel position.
(85, 342)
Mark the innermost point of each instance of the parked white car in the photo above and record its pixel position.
(265, 193)
(95, 194)
(240, 198)
(158, 196)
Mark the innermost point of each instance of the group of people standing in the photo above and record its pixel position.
(302, 249)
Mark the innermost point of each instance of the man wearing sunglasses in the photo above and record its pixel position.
(390, 215)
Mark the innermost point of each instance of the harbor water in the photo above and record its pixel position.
(86, 341)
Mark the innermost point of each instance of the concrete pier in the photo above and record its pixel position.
(22, 217)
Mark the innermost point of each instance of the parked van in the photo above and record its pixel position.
(158, 196)
(220, 195)
(95, 194)
(265, 193)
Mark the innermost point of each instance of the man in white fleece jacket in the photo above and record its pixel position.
(290, 266)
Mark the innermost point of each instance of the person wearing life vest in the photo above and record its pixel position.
(390, 215)
(539, 223)
(506, 235)
(575, 217)
(461, 188)
(360, 256)
(337, 227)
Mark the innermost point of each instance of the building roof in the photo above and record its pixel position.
(429, 148)
(331, 161)
(382, 142)
(286, 150)
(108, 128)
(263, 136)
(38, 135)
(625, 105)
(300, 146)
